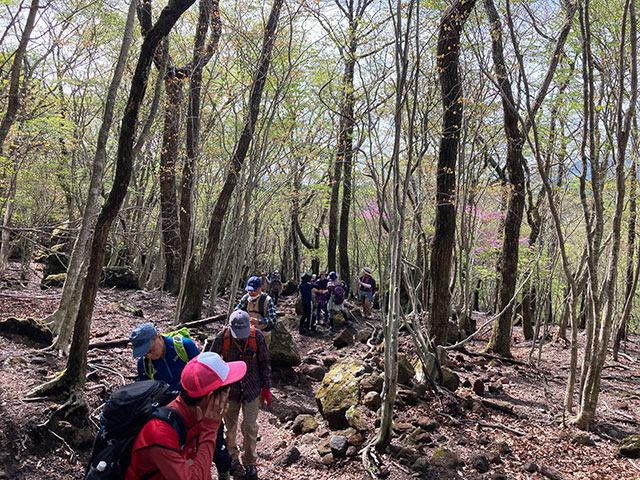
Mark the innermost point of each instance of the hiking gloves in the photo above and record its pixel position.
(265, 396)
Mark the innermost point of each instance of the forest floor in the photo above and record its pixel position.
(533, 432)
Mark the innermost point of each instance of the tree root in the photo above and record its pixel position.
(371, 461)
(53, 388)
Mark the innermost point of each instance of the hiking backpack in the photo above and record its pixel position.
(128, 409)
(338, 294)
(250, 343)
(178, 337)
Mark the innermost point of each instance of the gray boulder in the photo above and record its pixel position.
(284, 351)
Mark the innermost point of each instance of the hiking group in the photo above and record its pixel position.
(182, 414)
(328, 293)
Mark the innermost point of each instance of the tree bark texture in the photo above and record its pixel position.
(73, 378)
(448, 54)
(197, 275)
(345, 153)
(500, 341)
(61, 321)
(168, 158)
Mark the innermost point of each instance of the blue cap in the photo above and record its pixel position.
(253, 283)
(333, 275)
(141, 337)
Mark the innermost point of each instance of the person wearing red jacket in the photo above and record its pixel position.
(202, 403)
(240, 340)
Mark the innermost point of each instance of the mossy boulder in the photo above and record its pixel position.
(128, 308)
(56, 280)
(56, 261)
(304, 423)
(446, 459)
(284, 351)
(120, 277)
(406, 371)
(340, 392)
(450, 379)
(29, 327)
(629, 447)
(289, 288)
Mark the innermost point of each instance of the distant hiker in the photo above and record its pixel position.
(240, 340)
(367, 288)
(306, 290)
(322, 296)
(157, 451)
(164, 358)
(275, 286)
(338, 293)
(260, 308)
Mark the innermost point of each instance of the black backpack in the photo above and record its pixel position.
(128, 409)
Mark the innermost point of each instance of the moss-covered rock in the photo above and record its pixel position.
(128, 308)
(120, 277)
(56, 261)
(629, 447)
(405, 370)
(304, 423)
(284, 351)
(450, 379)
(340, 391)
(289, 288)
(446, 459)
(56, 280)
(29, 327)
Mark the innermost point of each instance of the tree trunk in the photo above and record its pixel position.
(345, 152)
(72, 379)
(61, 321)
(500, 341)
(197, 276)
(448, 53)
(173, 81)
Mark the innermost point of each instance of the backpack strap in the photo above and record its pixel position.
(178, 344)
(226, 341)
(149, 369)
(262, 301)
(173, 418)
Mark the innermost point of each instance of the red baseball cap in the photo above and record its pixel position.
(208, 372)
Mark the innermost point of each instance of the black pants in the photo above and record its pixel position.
(221, 456)
(305, 320)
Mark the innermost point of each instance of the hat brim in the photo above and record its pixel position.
(237, 370)
(240, 332)
(142, 350)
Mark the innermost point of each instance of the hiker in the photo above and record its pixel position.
(202, 403)
(306, 287)
(338, 293)
(260, 308)
(322, 296)
(241, 340)
(367, 288)
(164, 358)
(275, 286)
(161, 357)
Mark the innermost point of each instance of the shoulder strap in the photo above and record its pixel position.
(261, 304)
(226, 341)
(173, 418)
(149, 369)
(178, 344)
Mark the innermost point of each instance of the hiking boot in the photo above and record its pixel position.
(251, 472)
(224, 475)
(237, 470)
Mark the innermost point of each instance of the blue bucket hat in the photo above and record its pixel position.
(333, 275)
(253, 283)
(141, 337)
